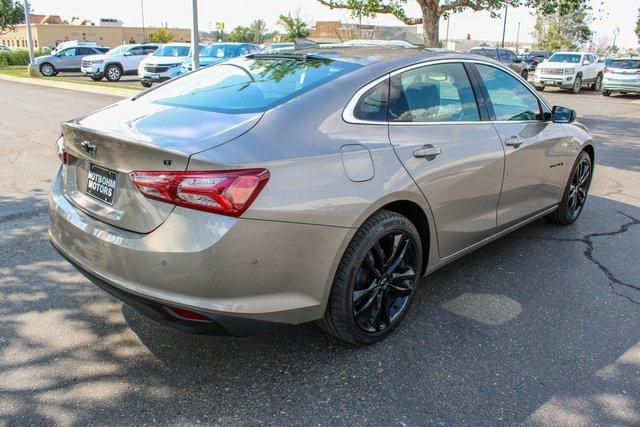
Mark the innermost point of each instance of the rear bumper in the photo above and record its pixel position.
(620, 87)
(215, 265)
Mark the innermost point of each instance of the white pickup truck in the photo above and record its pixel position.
(570, 70)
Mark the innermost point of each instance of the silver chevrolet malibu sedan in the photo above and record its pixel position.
(309, 185)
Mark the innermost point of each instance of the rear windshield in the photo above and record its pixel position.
(627, 64)
(172, 50)
(245, 84)
(565, 57)
(489, 53)
(220, 51)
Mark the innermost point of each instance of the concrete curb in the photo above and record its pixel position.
(122, 93)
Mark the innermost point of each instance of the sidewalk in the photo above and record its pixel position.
(106, 90)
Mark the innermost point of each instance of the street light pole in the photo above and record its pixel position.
(517, 36)
(144, 39)
(195, 42)
(27, 21)
(504, 26)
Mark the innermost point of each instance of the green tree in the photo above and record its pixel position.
(638, 26)
(259, 29)
(242, 35)
(160, 35)
(295, 28)
(433, 10)
(11, 14)
(563, 32)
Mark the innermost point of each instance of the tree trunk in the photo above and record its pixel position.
(430, 24)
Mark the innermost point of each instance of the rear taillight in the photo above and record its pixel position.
(228, 192)
(608, 70)
(62, 154)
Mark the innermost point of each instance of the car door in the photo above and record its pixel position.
(456, 158)
(132, 58)
(67, 58)
(537, 153)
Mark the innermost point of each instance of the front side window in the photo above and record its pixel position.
(246, 85)
(433, 93)
(69, 52)
(374, 103)
(510, 98)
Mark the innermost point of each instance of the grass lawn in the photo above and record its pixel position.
(21, 71)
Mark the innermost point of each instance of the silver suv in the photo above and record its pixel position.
(68, 59)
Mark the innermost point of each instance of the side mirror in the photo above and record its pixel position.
(586, 62)
(127, 54)
(563, 114)
(518, 60)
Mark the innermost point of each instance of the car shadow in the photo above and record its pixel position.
(527, 327)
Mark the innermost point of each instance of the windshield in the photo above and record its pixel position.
(246, 85)
(565, 57)
(172, 50)
(626, 64)
(219, 51)
(489, 53)
(118, 50)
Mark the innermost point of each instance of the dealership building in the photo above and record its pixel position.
(50, 30)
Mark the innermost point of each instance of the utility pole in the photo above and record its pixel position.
(517, 36)
(504, 26)
(446, 39)
(144, 39)
(195, 42)
(615, 36)
(27, 20)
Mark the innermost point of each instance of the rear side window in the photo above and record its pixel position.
(510, 98)
(433, 93)
(625, 64)
(374, 103)
(489, 53)
(248, 84)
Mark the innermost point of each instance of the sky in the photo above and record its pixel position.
(177, 13)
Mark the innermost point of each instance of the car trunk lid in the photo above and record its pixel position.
(137, 136)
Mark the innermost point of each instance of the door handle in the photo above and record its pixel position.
(515, 141)
(429, 152)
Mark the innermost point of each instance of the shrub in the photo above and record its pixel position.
(16, 57)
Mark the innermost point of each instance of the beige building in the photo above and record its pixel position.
(49, 31)
(336, 31)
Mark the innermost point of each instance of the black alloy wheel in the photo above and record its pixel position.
(384, 282)
(376, 279)
(575, 193)
(578, 188)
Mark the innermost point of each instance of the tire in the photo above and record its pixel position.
(113, 72)
(525, 74)
(48, 70)
(540, 88)
(606, 93)
(364, 283)
(597, 85)
(146, 84)
(577, 85)
(566, 213)
(96, 79)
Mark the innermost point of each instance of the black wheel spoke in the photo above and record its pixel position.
(378, 255)
(399, 257)
(376, 313)
(367, 305)
(359, 295)
(370, 264)
(385, 316)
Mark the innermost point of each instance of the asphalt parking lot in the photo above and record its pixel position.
(538, 328)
